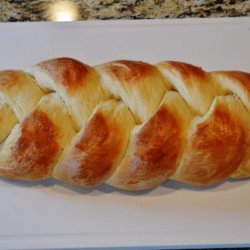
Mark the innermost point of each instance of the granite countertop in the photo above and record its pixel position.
(65, 10)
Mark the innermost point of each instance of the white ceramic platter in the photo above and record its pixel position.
(52, 215)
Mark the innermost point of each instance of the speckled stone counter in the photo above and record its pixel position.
(64, 10)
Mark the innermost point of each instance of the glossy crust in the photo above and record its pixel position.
(216, 144)
(235, 82)
(35, 149)
(138, 84)
(78, 85)
(20, 91)
(129, 124)
(69, 73)
(155, 147)
(193, 84)
(34, 146)
(98, 148)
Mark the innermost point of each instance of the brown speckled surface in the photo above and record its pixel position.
(38, 10)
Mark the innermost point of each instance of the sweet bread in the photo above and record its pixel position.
(129, 124)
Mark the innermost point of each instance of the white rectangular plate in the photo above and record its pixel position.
(51, 215)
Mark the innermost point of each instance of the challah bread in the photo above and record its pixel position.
(129, 124)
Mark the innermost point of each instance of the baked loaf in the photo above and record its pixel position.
(130, 124)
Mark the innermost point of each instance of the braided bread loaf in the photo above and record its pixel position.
(129, 124)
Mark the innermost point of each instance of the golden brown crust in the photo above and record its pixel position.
(120, 123)
(9, 78)
(186, 71)
(96, 150)
(77, 84)
(235, 82)
(214, 150)
(98, 164)
(14, 86)
(156, 150)
(193, 84)
(155, 147)
(241, 79)
(91, 160)
(35, 149)
(140, 85)
(68, 72)
(130, 72)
